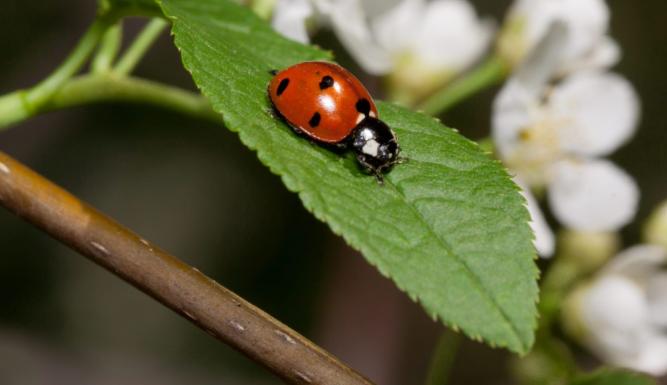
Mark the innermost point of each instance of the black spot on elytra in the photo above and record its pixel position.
(363, 106)
(315, 120)
(326, 82)
(281, 87)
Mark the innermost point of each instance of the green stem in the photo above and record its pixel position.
(19, 105)
(40, 93)
(490, 73)
(108, 49)
(110, 88)
(139, 47)
(13, 108)
(443, 358)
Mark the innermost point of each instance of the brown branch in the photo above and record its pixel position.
(178, 286)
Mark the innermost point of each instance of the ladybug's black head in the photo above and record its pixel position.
(375, 145)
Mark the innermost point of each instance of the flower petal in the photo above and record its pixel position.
(513, 110)
(653, 356)
(395, 29)
(544, 237)
(597, 112)
(377, 7)
(614, 314)
(638, 262)
(518, 105)
(289, 18)
(621, 311)
(450, 36)
(587, 22)
(349, 22)
(656, 292)
(605, 55)
(540, 65)
(592, 195)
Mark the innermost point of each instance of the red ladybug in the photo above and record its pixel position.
(328, 104)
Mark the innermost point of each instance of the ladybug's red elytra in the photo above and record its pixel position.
(327, 103)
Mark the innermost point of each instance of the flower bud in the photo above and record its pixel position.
(588, 250)
(655, 230)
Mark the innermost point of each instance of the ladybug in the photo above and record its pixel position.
(328, 104)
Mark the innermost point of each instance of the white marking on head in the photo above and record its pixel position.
(372, 114)
(360, 117)
(371, 148)
(367, 134)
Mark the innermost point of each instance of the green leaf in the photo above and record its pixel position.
(448, 227)
(613, 377)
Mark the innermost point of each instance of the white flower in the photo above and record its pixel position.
(421, 43)
(592, 195)
(544, 242)
(350, 23)
(622, 314)
(587, 22)
(551, 136)
(438, 34)
(290, 16)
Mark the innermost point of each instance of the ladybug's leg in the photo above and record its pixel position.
(379, 177)
(273, 72)
(277, 115)
(297, 130)
(400, 159)
(371, 170)
(364, 165)
(341, 145)
(272, 113)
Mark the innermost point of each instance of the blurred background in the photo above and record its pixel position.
(192, 188)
